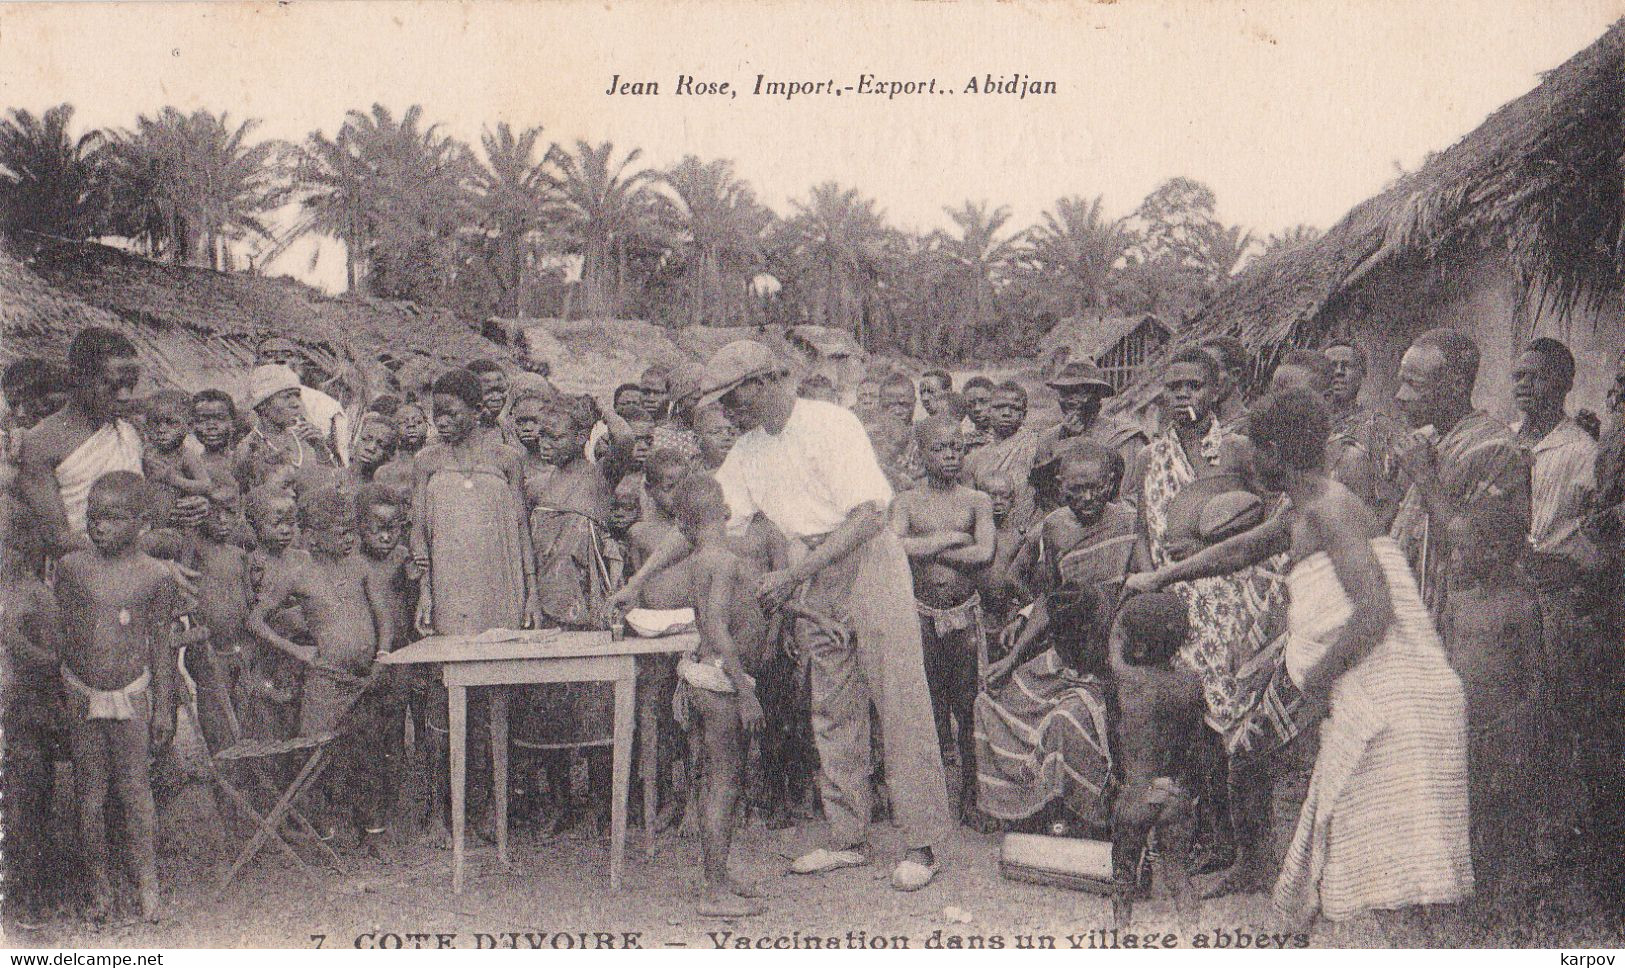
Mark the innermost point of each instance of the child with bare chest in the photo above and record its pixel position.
(1158, 725)
(214, 425)
(218, 664)
(999, 584)
(947, 531)
(164, 459)
(173, 473)
(347, 615)
(32, 723)
(347, 609)
(273, 676)
(118, 663)
(381, 513)
(717, 682)
(662, 472)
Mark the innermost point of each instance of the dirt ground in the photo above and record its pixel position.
(556, 894)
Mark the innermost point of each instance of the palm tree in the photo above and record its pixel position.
(1289, 239)
(1226, 249)
(978, 262)
(719, 238)
(190, 185)
(335, 186)
(516, 204)
(833, 252)
(50, 181)
(604, 210)
(395, 193)
(1073, 253)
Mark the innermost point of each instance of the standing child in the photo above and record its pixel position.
(568, 505)
(172, 471)
(217, 666)
(1012, 450)
(214, 426)
(628, 453)
(372, 455)
(626, 511)
(1000, 586)
(719, 690)
(1492, 633)
(271, 693)
(381, 513)
(662, 472)
(347, 608)
(947, 531)
(1159, 724)
(118, 664)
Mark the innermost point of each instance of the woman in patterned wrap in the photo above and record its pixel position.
(1384, 824)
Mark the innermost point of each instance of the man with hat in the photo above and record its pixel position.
(325, 418)
(1082, 389)
(281, 442)
(808, 467)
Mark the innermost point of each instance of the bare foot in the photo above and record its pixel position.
(149, 905)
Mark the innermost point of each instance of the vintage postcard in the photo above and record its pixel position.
(799, 476)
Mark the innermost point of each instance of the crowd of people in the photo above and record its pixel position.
(1289, 644)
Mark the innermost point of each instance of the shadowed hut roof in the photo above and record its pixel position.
(1089, 337)
(195, 323)
(1538, 185)
(32, 313)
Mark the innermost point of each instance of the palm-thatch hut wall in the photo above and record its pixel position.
(1513, 232)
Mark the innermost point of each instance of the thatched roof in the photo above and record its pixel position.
(32, 313)
(1090, 337)
(197, 321)
(1538, 185)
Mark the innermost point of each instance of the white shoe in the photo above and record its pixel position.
(911, 875)
(823, 860)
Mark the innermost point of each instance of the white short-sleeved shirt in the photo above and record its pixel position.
(1562, 482)
(328, 415)
(808, 477)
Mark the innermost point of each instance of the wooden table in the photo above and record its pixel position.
(530, 658)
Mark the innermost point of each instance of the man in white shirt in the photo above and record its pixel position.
(1568, 572)
(808, 467)
(325, 414)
